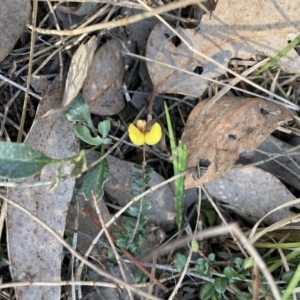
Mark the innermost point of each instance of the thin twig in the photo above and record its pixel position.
(178, 285)
(118, 258)
(32, 42)
(128, 255)
(113, 24)
(258, 260)
(20, 87)
(226, 87)
(74, 246)
(6, 109)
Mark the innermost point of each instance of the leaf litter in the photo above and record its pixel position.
(55, 138)
(231, 126)
(13, 16)
(264, 29)
(220, 135)
(103, 82)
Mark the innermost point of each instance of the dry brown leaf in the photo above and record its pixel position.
(235, 29)
(231, 126)
(13, 17)
(102, 85)
(167, 80)
(78, 69)
(34, 254)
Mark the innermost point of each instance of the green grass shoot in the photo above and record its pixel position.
(282, 53)
(179, 165)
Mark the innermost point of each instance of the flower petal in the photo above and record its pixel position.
(136, 136)
(154, 135)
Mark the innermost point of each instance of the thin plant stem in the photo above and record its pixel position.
(118, 258)
(179, 165)
(144, 163)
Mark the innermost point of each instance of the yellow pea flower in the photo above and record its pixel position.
(139, 136)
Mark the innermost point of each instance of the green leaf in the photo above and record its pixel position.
(135, 193)
(287, 276)
(117, 232)
(147, 179)
(248, 263)
(239, 261)
(207, 291)
(139, 276)
(220, 285)
(133, 248)
(230, 273)
(78, 163)
(137, 175)
(19, 161)
(84, 134)
(94, 180)
(128, 224)
(132, 211)
(104, 128)
(147, 205)
(201, 261)
(111, 255)
(203, 270)
(149, 170)
(144, 235)
(138, 183)
(143, 220)
(195, 246)
(211, 216)
(105, 141)
(212, 258)
(79, 111)
(137, 252)
(179, 261)
(121, 242)
(244, 296)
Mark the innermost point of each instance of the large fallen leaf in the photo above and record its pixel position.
(102, 85)
(34, 253)
(13, 17)
(78, 69)
(252, 193)
(231, 126)
(235, 30)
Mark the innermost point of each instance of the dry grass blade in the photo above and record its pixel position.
(113, 24)
(253, 237)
